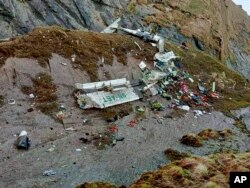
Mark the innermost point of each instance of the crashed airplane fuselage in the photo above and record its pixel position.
(106, 94)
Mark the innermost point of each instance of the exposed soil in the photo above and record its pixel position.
(139, 145)
(88, 47)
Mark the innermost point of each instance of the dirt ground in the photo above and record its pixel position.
(142, 149)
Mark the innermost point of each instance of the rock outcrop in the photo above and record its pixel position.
(21, 16)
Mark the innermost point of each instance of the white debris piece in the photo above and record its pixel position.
(165, 57)
(156, 76)
(113, 27)
(65, 64)
(104, 99)
(184, 107)
(23, 133)
(73, 58)
(142, 65)
(49, 173)
(138, 45)
(32, 96)
(78, 149)
(11, 101)
(198, 113)
(123, 82)
(161, 45)
(70, 129)
(153, 90)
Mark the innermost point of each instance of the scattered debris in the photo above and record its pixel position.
(138, 45)
(113, 27)
(61, 115)
(11, 101)
(155, 105)
(70, 129)
(113, 128)
(142, 66)
(31, 96)
(213, 87)
(73, 58)
(49, 173)
(139, 109)
(85, 140)
(23, 141)
(198, 113)
(184, 107)
(86, 121)
(30, 110)
(132, 123)
(51, 149)
(148, 37)
(78, 149)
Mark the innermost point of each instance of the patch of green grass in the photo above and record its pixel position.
(196, 6)
(131, 8)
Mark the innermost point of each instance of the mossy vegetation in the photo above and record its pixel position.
(212, 171)
(97, 185)
(174, 154)
(88, 47)
(44, 91)
(196, 6)
(131, 7)
(196, 140)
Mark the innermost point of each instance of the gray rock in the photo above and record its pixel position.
(244, 115)
(18, 17)
(242, 64)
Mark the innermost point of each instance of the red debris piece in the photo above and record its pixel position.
(113, 128)
(215, 95)
(204, 98)
(183, 87)
(132, 123)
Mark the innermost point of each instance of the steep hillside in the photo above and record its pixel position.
(220, 28)
(74, 143)
(90, 47)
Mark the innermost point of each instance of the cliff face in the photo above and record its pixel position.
(21, 16)
(218, 27)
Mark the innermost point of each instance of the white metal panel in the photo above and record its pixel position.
(103, 99)
(102, 84)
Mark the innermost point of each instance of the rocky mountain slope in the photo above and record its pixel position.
(40, 63)
(220, 28)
